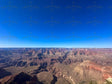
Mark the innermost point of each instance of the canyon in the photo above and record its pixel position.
(55, 65)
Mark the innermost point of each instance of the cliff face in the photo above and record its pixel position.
(78, 73)
(4, 73)
(21, 78)
(56, 65)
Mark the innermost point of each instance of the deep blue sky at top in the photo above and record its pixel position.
(56, 23)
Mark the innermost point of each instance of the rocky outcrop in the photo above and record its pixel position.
(45, 77)
(4, 73)
(21, 78)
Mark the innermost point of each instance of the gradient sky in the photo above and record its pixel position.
(56, 23)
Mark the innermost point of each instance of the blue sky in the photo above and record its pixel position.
(56, 23)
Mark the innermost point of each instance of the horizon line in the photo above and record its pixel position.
(54, 47)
